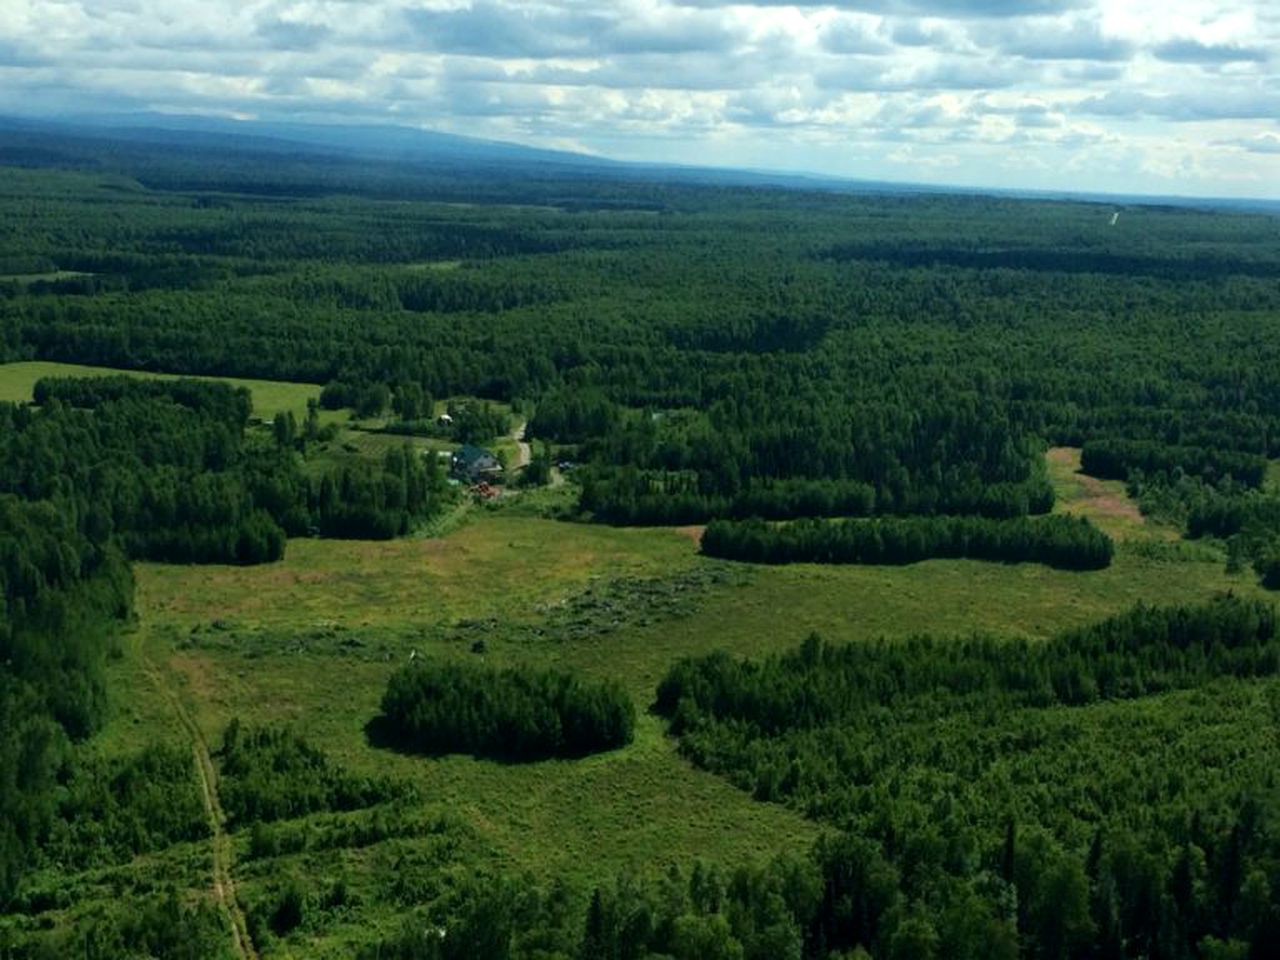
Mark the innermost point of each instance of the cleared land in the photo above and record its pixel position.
(1105, 502)
(310, 642)
(270, 397)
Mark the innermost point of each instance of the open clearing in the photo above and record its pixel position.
(310, 642)
(1106, 502)
(270, 397)
(501, 576)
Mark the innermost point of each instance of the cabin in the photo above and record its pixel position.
(473, 464)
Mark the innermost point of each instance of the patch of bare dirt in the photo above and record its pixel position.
(1101, 498)
(1107, 503)
(693, 532)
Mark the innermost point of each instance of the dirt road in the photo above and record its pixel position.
(524, 453)
(223, 885)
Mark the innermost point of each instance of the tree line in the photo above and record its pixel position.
(1116, 459)
(1071, 543)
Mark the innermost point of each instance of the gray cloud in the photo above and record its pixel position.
(1265, 143)
(913, 33)
(947, 9)
(1078, 40)
(293, 35)
(491, 29)
(867, 74)
(13, 54)
(849, 36)
(1193, 51)
(1078, 73)
(643, 71)
(1183, 108)
(686, 34)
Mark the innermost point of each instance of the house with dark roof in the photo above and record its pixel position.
(471, 463)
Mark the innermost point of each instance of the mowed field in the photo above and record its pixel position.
(269, 396)
(310, 642)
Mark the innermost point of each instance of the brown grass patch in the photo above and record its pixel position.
(1080, 493)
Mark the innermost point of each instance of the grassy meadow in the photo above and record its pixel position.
(17, 380)
(310, 642)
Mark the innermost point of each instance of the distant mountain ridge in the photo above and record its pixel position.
(401, 146)
(44, 140)
(386, 141)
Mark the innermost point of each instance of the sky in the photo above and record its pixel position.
(1174, 97)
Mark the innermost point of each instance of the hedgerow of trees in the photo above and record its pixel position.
(1072, 543)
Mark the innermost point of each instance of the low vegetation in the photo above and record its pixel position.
(274, 774)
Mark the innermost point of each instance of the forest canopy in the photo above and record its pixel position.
(507, 713)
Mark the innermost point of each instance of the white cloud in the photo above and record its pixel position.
(1175, 95)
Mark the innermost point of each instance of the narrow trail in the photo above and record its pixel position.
(223, 884)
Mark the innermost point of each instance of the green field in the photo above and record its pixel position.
(257, 643)
(269, 396)
(311, 641)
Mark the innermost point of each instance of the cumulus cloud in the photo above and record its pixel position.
(1267, 143)
(1009, 92)
(1190, 50)
(1058, 40)
(1189, 107)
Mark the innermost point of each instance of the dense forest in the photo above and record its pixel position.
(168, 469)
(65, 596)
(820, 376)
(739, 354)
(1057, 798)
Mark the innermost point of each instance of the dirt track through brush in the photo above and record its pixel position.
(223, 883)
